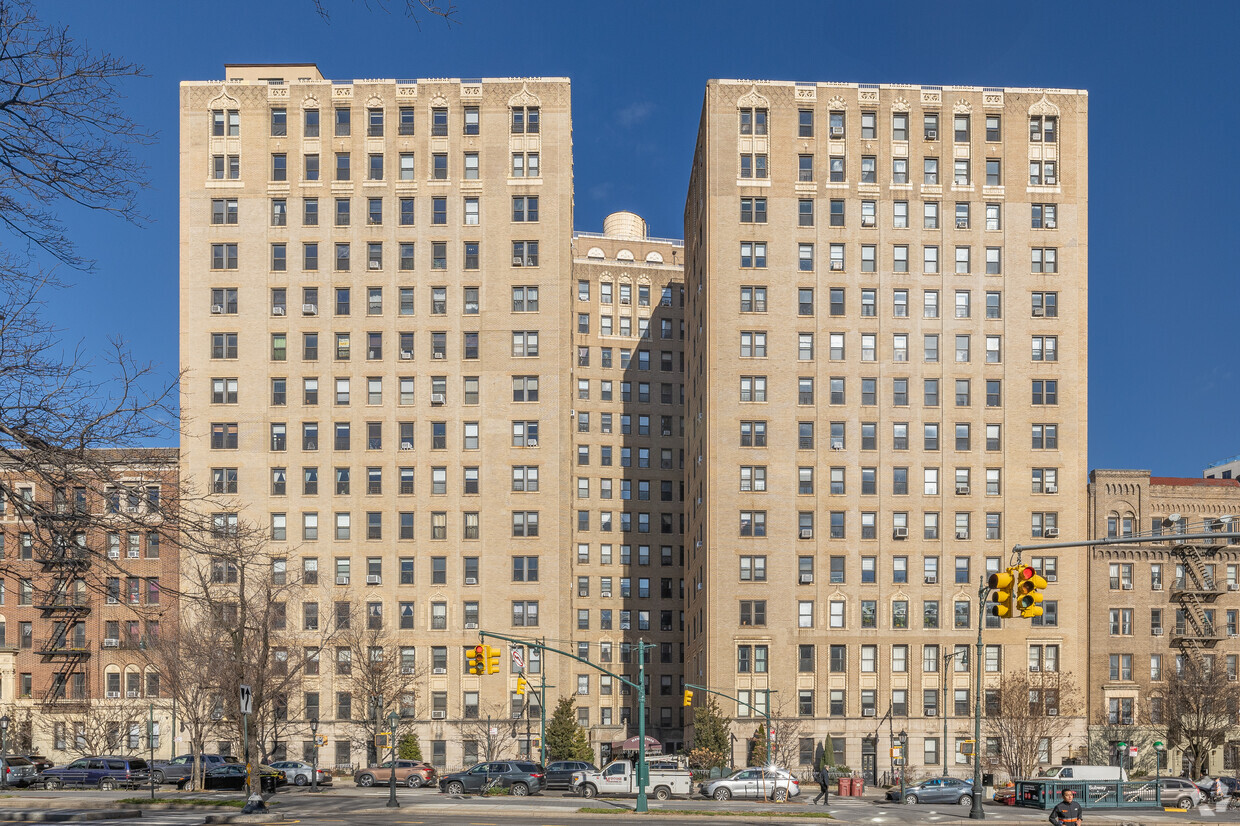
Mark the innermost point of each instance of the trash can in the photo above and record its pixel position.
(845, 787)
(858, 786)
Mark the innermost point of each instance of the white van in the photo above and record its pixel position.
(1085, 773)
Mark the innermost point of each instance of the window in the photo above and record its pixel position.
(1044, 260)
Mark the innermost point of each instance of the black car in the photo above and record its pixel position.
(232, 776)
(560, 773)
(519, 776)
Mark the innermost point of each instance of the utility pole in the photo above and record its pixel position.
(976, 813)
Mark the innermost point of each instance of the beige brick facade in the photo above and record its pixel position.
(835, 447)
(1142, 617)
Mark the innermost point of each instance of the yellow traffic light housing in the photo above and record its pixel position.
(688, 698)
(477, 660)
(1002, 587)
(491, 661)
(522, 685)
(1028, 592)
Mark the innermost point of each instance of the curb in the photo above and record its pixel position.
(68, 816)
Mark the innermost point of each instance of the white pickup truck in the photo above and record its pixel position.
(620, 778)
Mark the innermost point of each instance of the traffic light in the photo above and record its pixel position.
(1028, 592)
(478, 660)
(491, 661)
(522, 685)
(1001, 587)
(688, 698)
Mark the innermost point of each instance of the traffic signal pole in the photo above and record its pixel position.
(690, 688)
(639, 686)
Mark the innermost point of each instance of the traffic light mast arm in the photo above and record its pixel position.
(1128, 540)
(545, 647)
(765, 713)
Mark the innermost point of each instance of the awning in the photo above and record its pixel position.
(633, 744)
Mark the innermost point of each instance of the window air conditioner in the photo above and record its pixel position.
(962, 490)
(962, 534)
(277, 311)
(932, 579)
(1051, 533)
(1050, 180)
(373, 579)
(1233, 586)
(606, 594)
(837, 131)
(1157, 631)
(807, 533)
(837, 445)
(217, 309)
(807, 579)
(439, 355)
(1231, 678)
(439, 715)
(1052, 488)
(113, 695)
(114, 554)
(438, 398)
(531, 443)
(932, 712)
(406, 354)
(867, 220)
(1039, 312)
(517, 260)
(312, 446)
(342, 580)
(1052, 712)
(471, 580)
(900, 532)
(310, 309)
(962, 223)
(837, 265)
(667, 433)
(1127, 586)
(932, 134)
(374, 265)
(867, 712)
(1157, 586)
(406, 669)
(111, 643)
(470, 625)
(131, 694)
(406, 445)
(1050, 223)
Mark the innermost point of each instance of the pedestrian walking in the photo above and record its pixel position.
(1067, 812)
(824, 786)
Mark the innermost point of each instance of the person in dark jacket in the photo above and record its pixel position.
(824, 786)
(1067, 812)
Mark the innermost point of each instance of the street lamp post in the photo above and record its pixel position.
(150, 741)
(392, 803)
(903, 760)
(4, 749)
(314, 754)
(1158, 750)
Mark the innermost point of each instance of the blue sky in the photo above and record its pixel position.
(1164, 379)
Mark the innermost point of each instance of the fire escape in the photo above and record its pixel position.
(64, 603)
(1194, 590)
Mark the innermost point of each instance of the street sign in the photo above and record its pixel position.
(517, 659)
(494, 731)
(1132, 751)
(895, 752)
(247, 700)
(320, 740)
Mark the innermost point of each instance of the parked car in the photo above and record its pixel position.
(1178, 792)
(411, 773)
(753, 783)
(18, 771)
(232, 776)
(560, 773)
(937, 790)
(178, 769)
(105, 773)
(300, 774)
(519, 776)
(40, 762)
(619, 778)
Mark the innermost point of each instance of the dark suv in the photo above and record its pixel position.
(104, 773)
(177, 770)
(519, 776)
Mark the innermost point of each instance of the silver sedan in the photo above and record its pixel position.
(753, 783)
(300, 774)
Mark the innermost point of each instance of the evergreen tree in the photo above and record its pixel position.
(409, 748)
(757, 754)
(566, 740)
(712, 735)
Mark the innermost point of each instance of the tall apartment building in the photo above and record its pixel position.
(1152, 604)
(886, 385)
(628, 415)
(92, 565)
(1228, 468)
(430, 473)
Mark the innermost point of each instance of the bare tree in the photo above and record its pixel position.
(415, 10)
(787, 729)
(493, 730)
(377, 676)
(1106, 732)
(65, 141)
(1199, 704)
(1034, 709)
(115, 727)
